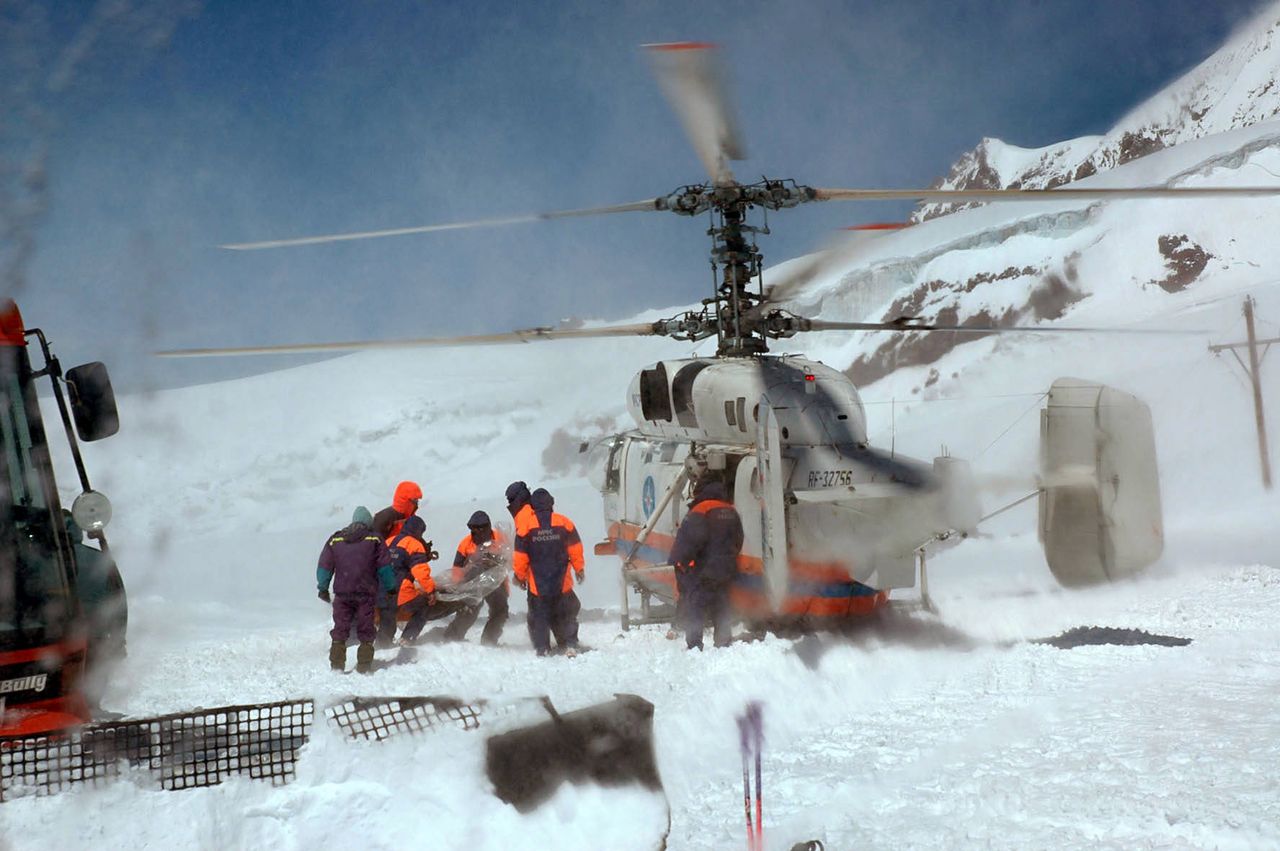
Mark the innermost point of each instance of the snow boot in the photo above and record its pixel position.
(364, 657)
(338, 655)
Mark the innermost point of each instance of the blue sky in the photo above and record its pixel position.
(176, 128)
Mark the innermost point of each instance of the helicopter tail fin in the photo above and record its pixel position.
(1100, 514)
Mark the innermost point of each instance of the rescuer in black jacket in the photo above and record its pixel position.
(705, 556)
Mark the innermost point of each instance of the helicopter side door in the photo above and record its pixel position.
(747, 501)
(773, 475)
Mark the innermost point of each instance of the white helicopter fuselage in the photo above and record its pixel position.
(831, 525)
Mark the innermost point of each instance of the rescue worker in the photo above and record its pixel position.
(517, 500)
(412, 557)
(404, 504)
(386, 602)
(705, 556)
(359, 565)
(481, 536)
(546, 546)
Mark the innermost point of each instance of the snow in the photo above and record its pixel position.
(953, 731)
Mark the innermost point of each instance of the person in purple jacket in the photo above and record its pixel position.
(357, 562)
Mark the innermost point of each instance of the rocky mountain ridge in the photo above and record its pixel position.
(1237, 86)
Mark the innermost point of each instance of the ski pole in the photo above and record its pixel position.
(755, 714)
(744, 739)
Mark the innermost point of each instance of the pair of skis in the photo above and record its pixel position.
(751, 738)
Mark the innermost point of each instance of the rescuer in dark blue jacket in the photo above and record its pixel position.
(547, 557)
(705, 556)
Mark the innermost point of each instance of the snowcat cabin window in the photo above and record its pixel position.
(35, 601)
(682, 393)
(742, 414)
(655, 395)
(728, 413)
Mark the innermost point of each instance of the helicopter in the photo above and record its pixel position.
(832, 524)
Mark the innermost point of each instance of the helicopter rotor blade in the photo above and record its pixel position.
(529, 335)
(1066, 193)
(636, 206)
(692, 80)
(906, 324)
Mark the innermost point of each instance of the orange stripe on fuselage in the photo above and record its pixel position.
(754, 603)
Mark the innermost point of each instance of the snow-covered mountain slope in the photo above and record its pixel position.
(1131, 263)
(1239, 85)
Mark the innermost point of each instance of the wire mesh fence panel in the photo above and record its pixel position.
(378, 718)
(183, 750)
(193, 749)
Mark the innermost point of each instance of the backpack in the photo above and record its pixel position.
(400, 560)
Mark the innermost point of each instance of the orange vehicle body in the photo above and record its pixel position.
(43, 638)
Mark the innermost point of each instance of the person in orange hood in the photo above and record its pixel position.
(404, 504)
(546, 546)
(387, 524)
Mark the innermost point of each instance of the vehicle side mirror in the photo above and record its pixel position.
(93, 402)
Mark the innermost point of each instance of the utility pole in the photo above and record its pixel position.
(1251, 370)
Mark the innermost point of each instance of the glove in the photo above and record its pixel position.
(432, 555)
(324, 595)
(581, 576)
(431, 598)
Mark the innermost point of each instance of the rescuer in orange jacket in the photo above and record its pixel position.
(386, 524)
(411, 558)
(546, 546)
(467, 563)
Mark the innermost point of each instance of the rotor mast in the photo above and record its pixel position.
(733, 313)
(739, 263)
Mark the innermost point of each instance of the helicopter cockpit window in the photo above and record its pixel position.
(742, 413)
(728, 412)
(603, 463)
(682, 393)
(655, 396)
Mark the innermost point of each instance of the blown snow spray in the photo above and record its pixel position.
(751, 740)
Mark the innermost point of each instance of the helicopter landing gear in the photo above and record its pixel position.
(650, 612)
(925, 600)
